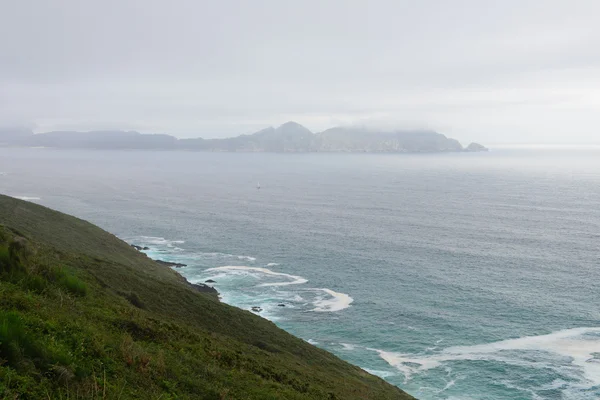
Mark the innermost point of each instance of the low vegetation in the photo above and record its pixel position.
(84, 316)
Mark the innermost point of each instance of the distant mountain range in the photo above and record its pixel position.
(290, 137)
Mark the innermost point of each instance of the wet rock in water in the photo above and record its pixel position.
(202, 288)
(210, 281)
(139, 248)
(145, 248)
(171, 264)
(281, 305)
(256, 309)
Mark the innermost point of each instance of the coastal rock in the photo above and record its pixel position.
(281, 305)
(476, 147)
(202, 288)
(171, 264)
(198, 287)
(256, 309)
(210, 281)
(140, 248)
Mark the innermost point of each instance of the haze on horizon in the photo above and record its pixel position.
(492, 72)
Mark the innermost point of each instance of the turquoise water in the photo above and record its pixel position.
(453, 276)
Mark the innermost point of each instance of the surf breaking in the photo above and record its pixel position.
(326, 300)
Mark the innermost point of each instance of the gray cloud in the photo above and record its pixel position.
(516, 71)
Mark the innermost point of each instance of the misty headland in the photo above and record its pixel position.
(290, 137)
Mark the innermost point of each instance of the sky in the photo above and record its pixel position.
(477, 70)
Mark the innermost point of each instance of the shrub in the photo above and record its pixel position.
(73, 285)
(135, 300)
(4, 259)
(19, 251)
(3, 234)
(68, 281)
(35, 283)
(14, 341)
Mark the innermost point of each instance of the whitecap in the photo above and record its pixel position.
(27, 198)
(295, 280)
(273, 265)
(160, 241)
(449, 384)
(335, 302)
(348, 346)
(313, 342)
(576, 348)
(246, 258)
(379, 373)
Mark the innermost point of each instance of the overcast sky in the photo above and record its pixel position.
(490, 71)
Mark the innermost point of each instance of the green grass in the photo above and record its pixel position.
(69, 282)
(85, 316)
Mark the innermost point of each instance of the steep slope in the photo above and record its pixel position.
(84, 315)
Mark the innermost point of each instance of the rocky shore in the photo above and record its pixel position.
(199, 287)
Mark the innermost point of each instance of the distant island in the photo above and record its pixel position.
(290, 137)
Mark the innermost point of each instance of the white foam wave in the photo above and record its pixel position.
(27, 198)
(577, 348)
(379, 373)
(246, 258)
(348, 346)
(295, 280)
(160, 241)
(313, 342)
(335, 302)
(273, 265)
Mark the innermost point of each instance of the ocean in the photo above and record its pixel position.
(454, 276)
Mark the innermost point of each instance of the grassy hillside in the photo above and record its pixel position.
(85, 316)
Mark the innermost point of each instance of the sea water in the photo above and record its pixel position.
(453, 276)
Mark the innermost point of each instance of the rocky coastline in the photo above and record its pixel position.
(199, 287)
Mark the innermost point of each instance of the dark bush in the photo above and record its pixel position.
(14, 341)
(135, 300)
(5, 263)
(19, 251)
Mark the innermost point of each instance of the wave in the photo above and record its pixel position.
(326, 300)
(575, 352)
(27, 198)
(162, 245)
(348, 346)
(336, 302)
(296, 280)
(160, 241)
(379, 373)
